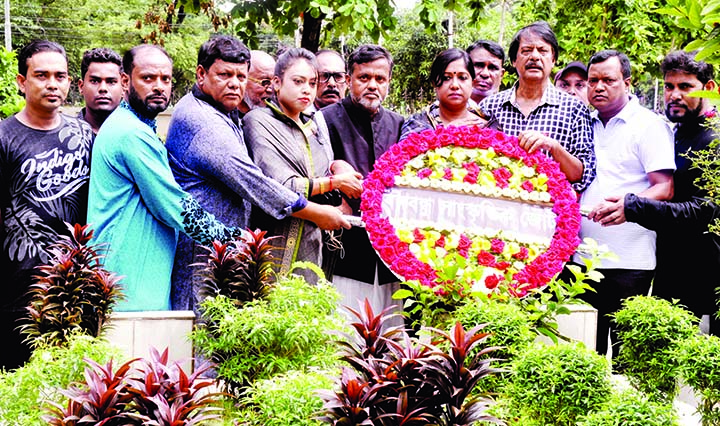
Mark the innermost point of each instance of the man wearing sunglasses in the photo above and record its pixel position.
(332, 79)
(259, 81)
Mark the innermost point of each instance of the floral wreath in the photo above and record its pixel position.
(481, 161)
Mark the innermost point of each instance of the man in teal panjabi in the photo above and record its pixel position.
(135, 205)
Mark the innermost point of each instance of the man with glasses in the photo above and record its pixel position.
(332, 80)
(259, 81)
(540, 115)
(209, 159)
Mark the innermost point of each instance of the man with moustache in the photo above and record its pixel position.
(100, 85)
(361, 130)
(44, 169)
(259, 84)
(487, 58)
(135, 205)
(332, 79)
(541, 116)
(635, 155)
(682, 223)
(210, 160)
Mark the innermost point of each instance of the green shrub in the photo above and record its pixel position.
(50, 368)
(650, 330)
(509, 328)
(289, 330)
(11, 101)
(288, 399)
(631, 408)
(556, 385)
(699, 361)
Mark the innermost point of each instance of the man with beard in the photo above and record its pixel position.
(44, 169)
(259, 84)
(487, 58)
(210, 160)
(135, 205)
(100, 85)
(361, 130)
(332, 80)
(687, 254)
(540, 115)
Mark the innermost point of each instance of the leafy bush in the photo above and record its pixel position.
(631, 408)
(650, 330)
(509, 330)
(72, 292)
(11, 101)
(556, 385)
(156, 393)
(286, 331)
(402, 381)
(699, 363)
(288, 399)
(49, 369)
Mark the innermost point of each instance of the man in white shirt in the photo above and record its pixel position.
(634, 151)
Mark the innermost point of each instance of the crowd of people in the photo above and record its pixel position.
(283, 143)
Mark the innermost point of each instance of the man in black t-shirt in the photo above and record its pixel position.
(44, 171)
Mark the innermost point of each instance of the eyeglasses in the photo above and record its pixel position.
(264, 83)
(339, 77)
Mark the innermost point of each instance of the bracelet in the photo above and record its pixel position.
(331, 183)
(321, 184)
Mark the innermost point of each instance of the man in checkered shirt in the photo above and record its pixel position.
(541, 116)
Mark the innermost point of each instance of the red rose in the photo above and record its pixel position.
(522, 254)
(528, 186)
(448, 174)
(492, 281)
(485, 258)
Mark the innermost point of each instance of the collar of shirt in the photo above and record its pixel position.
(624, 115)
(149, 121)
(234, 115)
(550, 96)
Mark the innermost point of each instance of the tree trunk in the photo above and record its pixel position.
(311, 32)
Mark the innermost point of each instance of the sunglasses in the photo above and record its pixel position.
(339, 77)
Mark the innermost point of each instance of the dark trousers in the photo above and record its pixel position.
(616, 286)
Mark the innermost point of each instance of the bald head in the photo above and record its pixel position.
(262, 69)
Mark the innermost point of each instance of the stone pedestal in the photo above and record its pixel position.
(579, 325)
(135, 332)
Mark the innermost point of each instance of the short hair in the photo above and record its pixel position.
(368, 53)
(224, 47)
(290, 56)
(604, 55)
(35, 47)
(101, 55)
(445, 58)
(128, 62)
(541, 29)
(681, 61)
(493, 48)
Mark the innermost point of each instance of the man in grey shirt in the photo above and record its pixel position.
(209, 159)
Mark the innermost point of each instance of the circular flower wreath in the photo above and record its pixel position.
(392, 168)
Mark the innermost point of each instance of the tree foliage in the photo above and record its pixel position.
(11, 101)
(353, 18)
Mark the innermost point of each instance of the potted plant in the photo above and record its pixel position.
(558, 384)
(651, 330)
